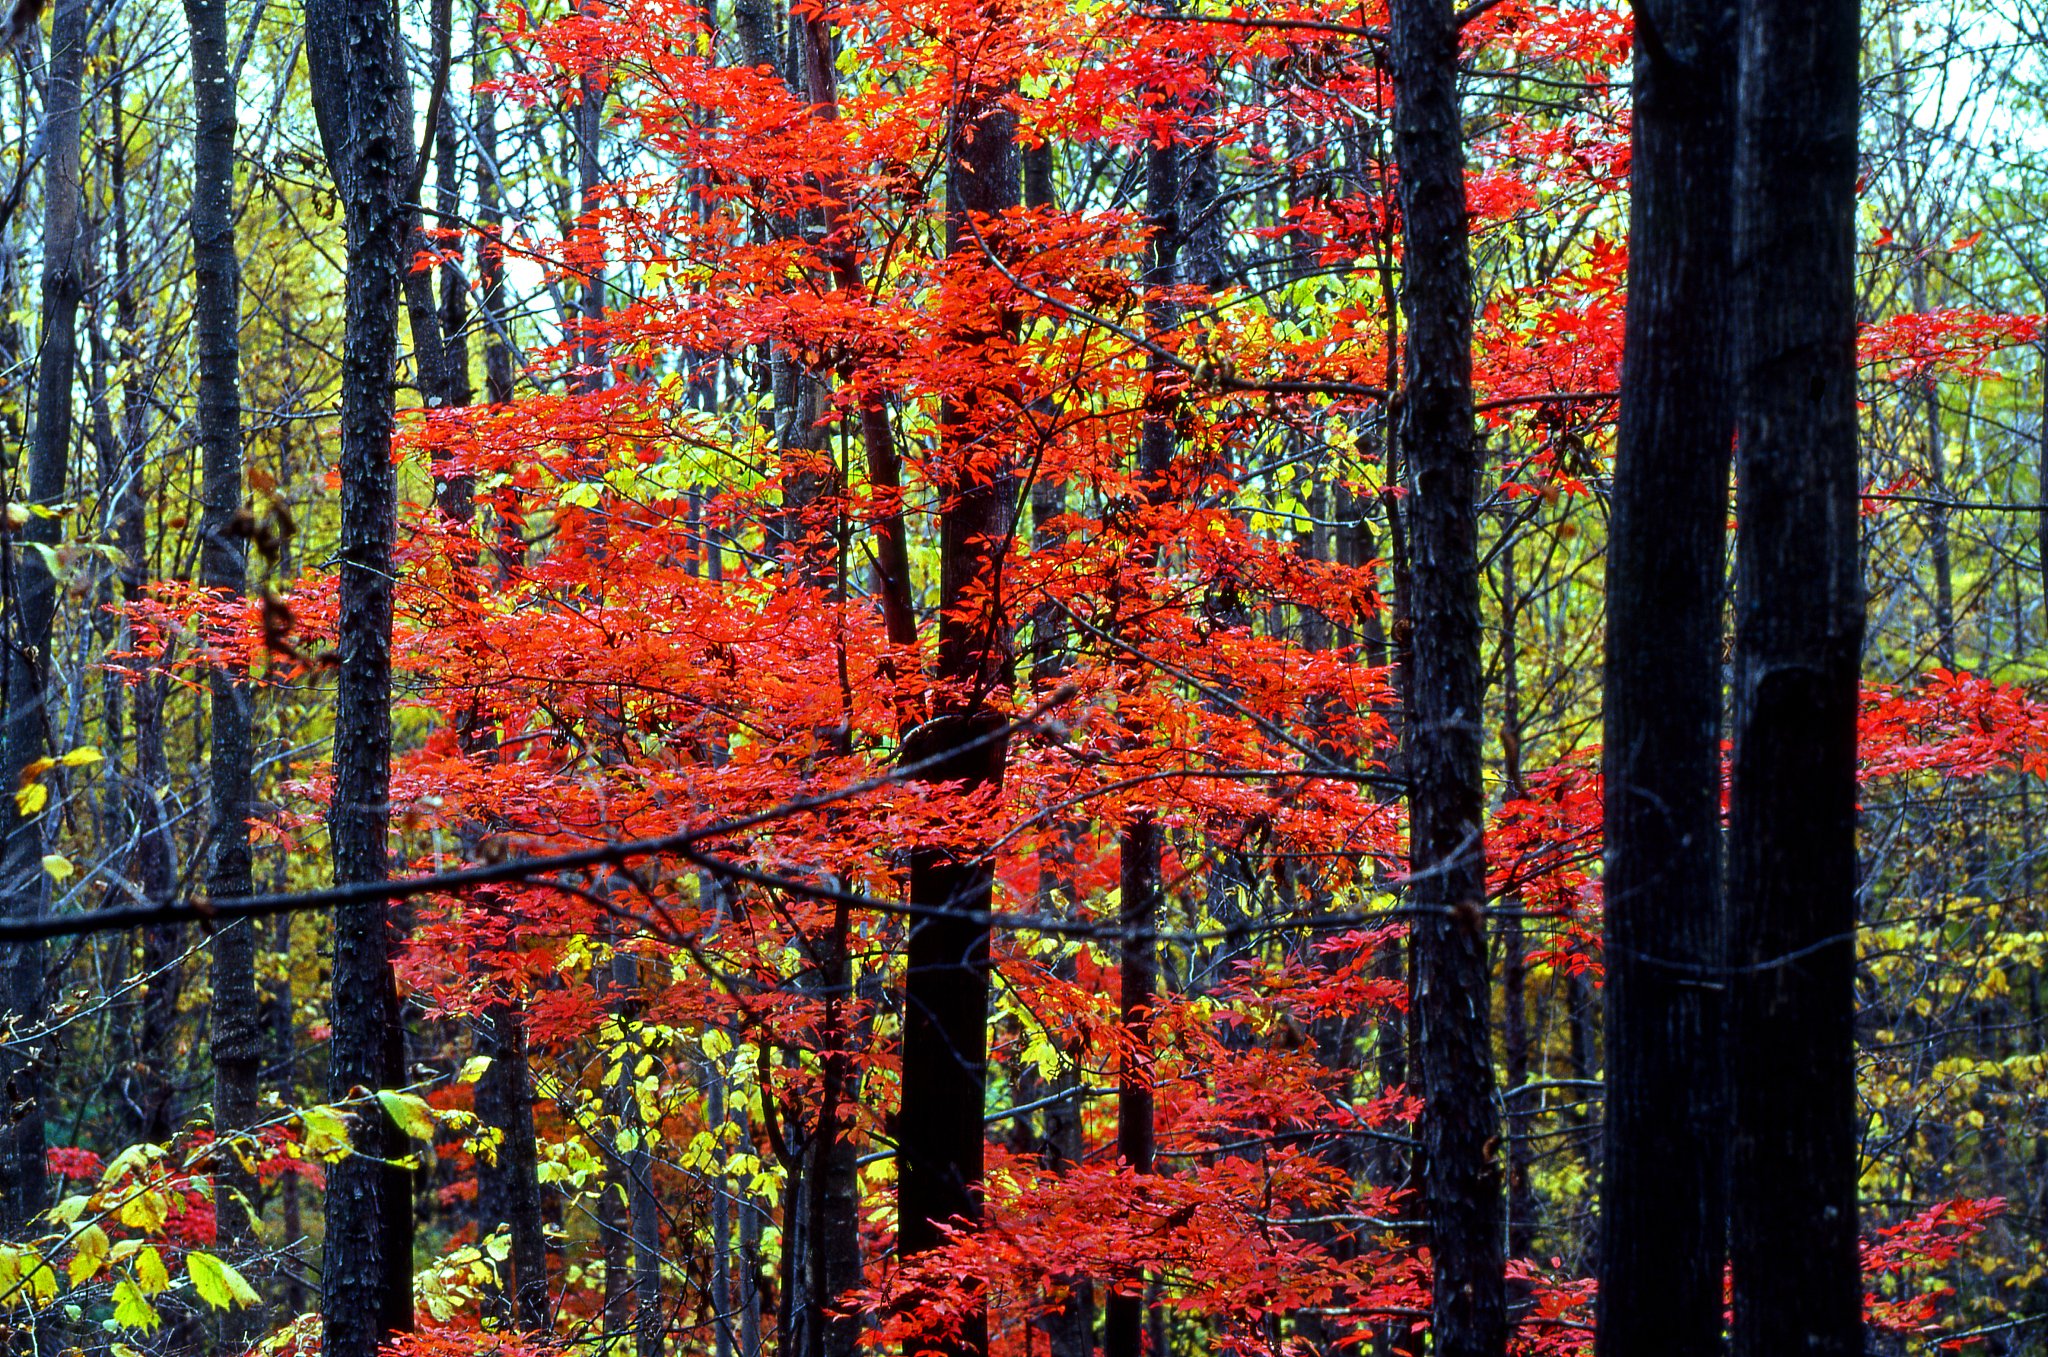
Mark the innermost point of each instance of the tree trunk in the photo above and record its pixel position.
(511, 1186)
(363, 103)
(216, 322)
(1514, 965)
(1798, 636)
(1123, 1313)
(149, 1094)
(24, 1188)
(1662, 1207)
(945, 1001)
(1461, 1194)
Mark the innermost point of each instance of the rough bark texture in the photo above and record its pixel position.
(24, 1188)
(1798, 636)
(359, 85)
(216, 318)
(1461, 1181)
(1662, 1208)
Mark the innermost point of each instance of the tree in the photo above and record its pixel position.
(363, 101)
(237, 1039)
(24, 739)
(947, 963)
(1461, 1172)
(1662, 1213)
(1793, 1168)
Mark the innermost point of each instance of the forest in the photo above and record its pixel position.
(1024, 678)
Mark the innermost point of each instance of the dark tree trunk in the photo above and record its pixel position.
(1662, 1207)
(148, 1094)
(593, 353)
(1514, 965)
(831, 1226)
(24, 1187)
(946, 990)
(1123, 1313)
(1461, 1184)
(1798, 637)
(363, 101)
(216, 321)
(440, 346)
(510, 1188)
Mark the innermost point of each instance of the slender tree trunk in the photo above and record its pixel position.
(1461, 1185)
(24, 1188)
(2041, 489)
(946, 991)
(216, 322)
(591, 347)
(363, 101)
(1798, 638)
(1124, 1311)
(1514, 966)
(1662, 1208)
(1123, 1314)
(149, 1093)
(505, 1102)
(1937, 530)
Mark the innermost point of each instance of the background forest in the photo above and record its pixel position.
(901, 584)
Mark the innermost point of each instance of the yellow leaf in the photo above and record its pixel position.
(131, 1310)
(40, 1279)
(81, 756)
(218, 1284)
(151, 1274)
(144, 1211)
(58, 866)
(412, 1114)
(473, 1069)
(91, 1254)
(326, 1133)
(31, 798)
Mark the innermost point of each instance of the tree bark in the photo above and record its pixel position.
(216, 323)
(1123, 1313)
(511, 1186)
(1461, 1180)
(1798, 637)
(24, 1186)
(946, 991)
(360, 90)
(1662, 1207)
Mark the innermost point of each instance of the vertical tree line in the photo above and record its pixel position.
(363, 99)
